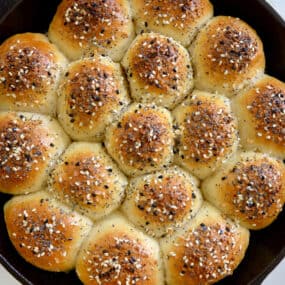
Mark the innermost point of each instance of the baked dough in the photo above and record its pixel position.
(87, 180)
(163, 201)
(207, 249)
(227, 56)
(44, 232)
(92, 95)
(261, 111)
(117, 253)
(158, 69)
(206, 133)
(174, 145)
(30, 68)
(179, 19)
(250, 188)
(80, 25)
(29, 147)
(142, 140)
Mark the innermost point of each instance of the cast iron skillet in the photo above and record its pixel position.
(267, 247)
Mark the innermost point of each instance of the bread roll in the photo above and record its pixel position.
(153, 117)
(30, 68)
(87, 180)
(177, 19)
(92, 94)
(116, 253)
(206, 132)
(142, 140)
(158, 69)
(261, 114)
(227, 56)
(250, 188)
(29, 145)
(208, 249)
(161, 202)
(79, 25)
(44, 232)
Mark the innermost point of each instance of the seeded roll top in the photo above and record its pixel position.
(163, 201)
(92, 94)
(208, 249)
(29, 146)
(151, 123)
(44, 232)
(86, 179)
(142, 140)
(158, 69)
(179, 19)
(116, 253)
(80, 25)
(227, 56)
(250, 189)
(261, 114)
(206, 132)
(30, 68)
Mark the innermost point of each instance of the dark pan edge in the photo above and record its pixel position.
(13, 271)
(274, 12)
(9, 9)
(261, 277)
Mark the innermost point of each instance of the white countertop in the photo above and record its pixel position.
(275, 278)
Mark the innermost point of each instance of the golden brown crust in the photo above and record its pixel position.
(92, 19)
(174, 18)
(159, 70)
(217, 263)
(207, 132)
(148, 141)
(209, 249)
(251, 189)
(92, 95)
(28, 146)
(198, 244)
(45, 233)
(260, 111)
(142, 140)
(162, 201)
(155, 61)
(75, 184)
(87, 180)
(78, 25)
(256, 190)
(251, 197)
(29, 70)
(171, 205)
(24, 146)
(129, 254)
(242, 47)
(227, 56)
(114, 255)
